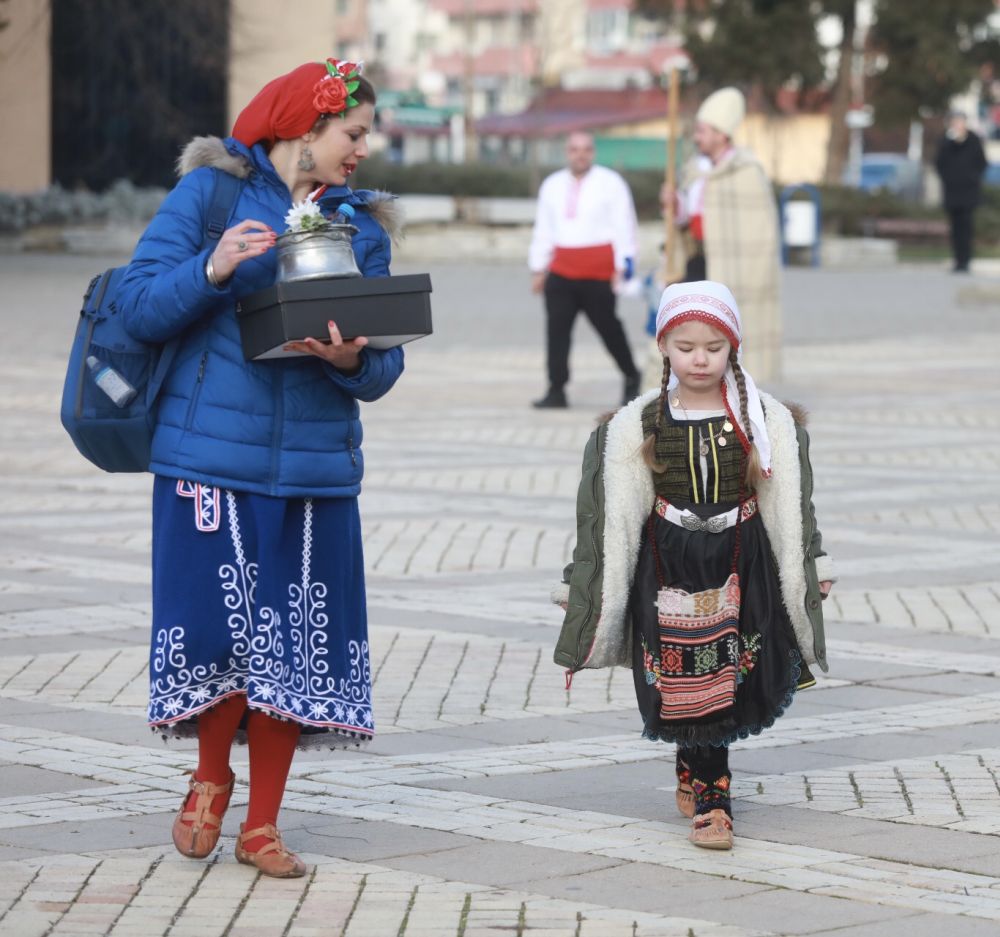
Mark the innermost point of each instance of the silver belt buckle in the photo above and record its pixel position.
(714, 525)
(717, 524)
(692, 521)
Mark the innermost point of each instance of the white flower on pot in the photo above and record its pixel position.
(305, 216)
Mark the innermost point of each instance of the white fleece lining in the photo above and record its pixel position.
(780, 504)
(628, 499)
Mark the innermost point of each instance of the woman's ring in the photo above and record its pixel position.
(241, 246)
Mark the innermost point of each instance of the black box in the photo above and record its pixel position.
(388, 311)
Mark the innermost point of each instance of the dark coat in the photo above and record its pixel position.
(961, 166)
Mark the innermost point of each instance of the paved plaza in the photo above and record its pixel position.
(494, 801)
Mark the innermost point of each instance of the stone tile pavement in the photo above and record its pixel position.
(495, 800)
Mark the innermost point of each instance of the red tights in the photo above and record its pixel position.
(272, 744)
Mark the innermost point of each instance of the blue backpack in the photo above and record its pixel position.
(106, 364)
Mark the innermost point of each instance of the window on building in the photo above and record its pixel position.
(607, 30)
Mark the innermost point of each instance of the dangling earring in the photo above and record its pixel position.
(306, 161)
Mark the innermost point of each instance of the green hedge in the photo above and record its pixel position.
(488, 180)
(123, 202)
(469, 179)
(847, 212)
(850, 212)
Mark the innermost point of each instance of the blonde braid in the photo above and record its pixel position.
(754, 473)
(648, 449)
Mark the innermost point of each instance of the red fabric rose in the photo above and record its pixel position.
(330, 95)
(345, 68)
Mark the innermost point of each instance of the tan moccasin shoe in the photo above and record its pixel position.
(712, 830)
(684, 796)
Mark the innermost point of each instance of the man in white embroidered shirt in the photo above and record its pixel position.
(582, 247)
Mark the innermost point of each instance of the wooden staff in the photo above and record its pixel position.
(668, 272)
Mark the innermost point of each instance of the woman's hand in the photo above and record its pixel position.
(239, 243)
(825, 586)
(344, 356)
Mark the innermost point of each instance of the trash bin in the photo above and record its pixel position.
(800, 221)
(800, 224)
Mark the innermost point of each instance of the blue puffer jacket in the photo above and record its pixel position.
(284, 427)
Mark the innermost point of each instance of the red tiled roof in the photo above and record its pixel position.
(557, 112)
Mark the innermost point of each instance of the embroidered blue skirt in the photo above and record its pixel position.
(263, 597)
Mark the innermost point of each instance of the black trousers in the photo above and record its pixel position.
(960, 220)
(564, 298)
(696, 268)
(706, 769)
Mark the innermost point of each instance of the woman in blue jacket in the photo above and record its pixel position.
(259, 623)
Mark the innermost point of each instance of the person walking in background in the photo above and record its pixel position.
(583, 247)
(698, 560)
(259, 620)
(961, 163)
(727, 209)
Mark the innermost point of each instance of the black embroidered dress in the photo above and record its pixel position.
(703, 463)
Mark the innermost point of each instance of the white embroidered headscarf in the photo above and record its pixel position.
(713, 303)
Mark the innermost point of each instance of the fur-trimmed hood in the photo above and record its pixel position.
(214, 152)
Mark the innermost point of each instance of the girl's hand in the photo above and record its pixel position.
(239, 243)
(825, 586)
(344, 356)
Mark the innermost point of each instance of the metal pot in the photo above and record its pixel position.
(316, 255)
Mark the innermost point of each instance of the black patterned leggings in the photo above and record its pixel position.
(706, 769)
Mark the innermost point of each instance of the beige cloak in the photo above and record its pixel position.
(742, 250)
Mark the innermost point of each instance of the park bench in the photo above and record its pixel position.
(907, 229)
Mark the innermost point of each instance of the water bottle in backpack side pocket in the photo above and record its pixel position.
(111, 382)
(344, 214)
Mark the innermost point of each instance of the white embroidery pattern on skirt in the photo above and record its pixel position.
(302, 689)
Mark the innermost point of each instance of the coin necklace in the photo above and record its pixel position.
(720, 439)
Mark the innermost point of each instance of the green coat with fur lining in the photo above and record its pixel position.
(583, 579)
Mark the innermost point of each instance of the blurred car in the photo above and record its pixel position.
(992, 174)
(892, 172)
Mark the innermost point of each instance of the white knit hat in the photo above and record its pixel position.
(713, 303)
(723, 109)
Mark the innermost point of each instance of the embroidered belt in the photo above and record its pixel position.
(714, 525)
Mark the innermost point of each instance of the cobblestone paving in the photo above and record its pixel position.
(494, 799)
(141, 893)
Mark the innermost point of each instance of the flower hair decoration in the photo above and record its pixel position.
(333, 93)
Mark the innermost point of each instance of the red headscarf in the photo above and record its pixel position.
(287, 107)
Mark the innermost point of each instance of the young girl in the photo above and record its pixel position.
(698, 560)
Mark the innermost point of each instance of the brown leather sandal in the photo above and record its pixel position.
(712, 830)
(196, 832)
(684, 796)
(272, 858)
